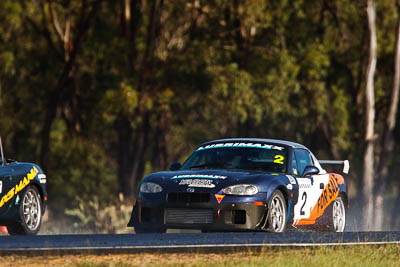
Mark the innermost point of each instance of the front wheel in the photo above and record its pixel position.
(30, 212)
(276, 213)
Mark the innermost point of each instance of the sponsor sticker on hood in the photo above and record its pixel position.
(197, 183)
(199, 176)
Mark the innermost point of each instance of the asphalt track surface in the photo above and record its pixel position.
(185, 242)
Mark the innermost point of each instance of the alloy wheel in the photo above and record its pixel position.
(32, 210)
(277, 214)
(339, 215)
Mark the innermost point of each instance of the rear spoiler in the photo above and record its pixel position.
(3, 161)
(346, 164)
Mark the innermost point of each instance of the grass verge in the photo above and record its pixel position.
(363, 255)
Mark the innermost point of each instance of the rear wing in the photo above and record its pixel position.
(3, 162)
(346, 164)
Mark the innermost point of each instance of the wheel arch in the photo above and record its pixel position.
(285, 193)
(40, 190)
(281, 187)
(345, 199)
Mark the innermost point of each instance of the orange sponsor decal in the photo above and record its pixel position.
(219, 197)
(329, 194)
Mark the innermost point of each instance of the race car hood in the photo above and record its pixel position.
(213, 180)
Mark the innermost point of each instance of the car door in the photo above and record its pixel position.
(306, 211)
(6, 183)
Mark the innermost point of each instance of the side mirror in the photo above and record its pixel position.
(310, 170)
(175, 166)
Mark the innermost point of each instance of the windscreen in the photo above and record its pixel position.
(258, 156)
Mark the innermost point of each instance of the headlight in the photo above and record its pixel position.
(149, 187)
(241, 189)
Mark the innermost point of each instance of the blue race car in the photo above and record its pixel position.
(244, 184)
(23, 196)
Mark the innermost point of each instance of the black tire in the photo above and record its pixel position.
(30, 213)
(141, 230)
(337, 216)
(276, 213)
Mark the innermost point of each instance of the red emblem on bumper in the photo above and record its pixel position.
(219, 197)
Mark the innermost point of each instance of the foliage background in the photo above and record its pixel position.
(101, 93)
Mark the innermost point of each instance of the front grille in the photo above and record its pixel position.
(189, 216)
(188, 197)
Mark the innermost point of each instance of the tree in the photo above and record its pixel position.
(368, 189)
(387, 143)
(68, 47)
(101, 93)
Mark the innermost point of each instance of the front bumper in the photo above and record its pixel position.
(205, 216)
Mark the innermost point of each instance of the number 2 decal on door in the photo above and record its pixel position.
(309, 193)
(304, 197)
